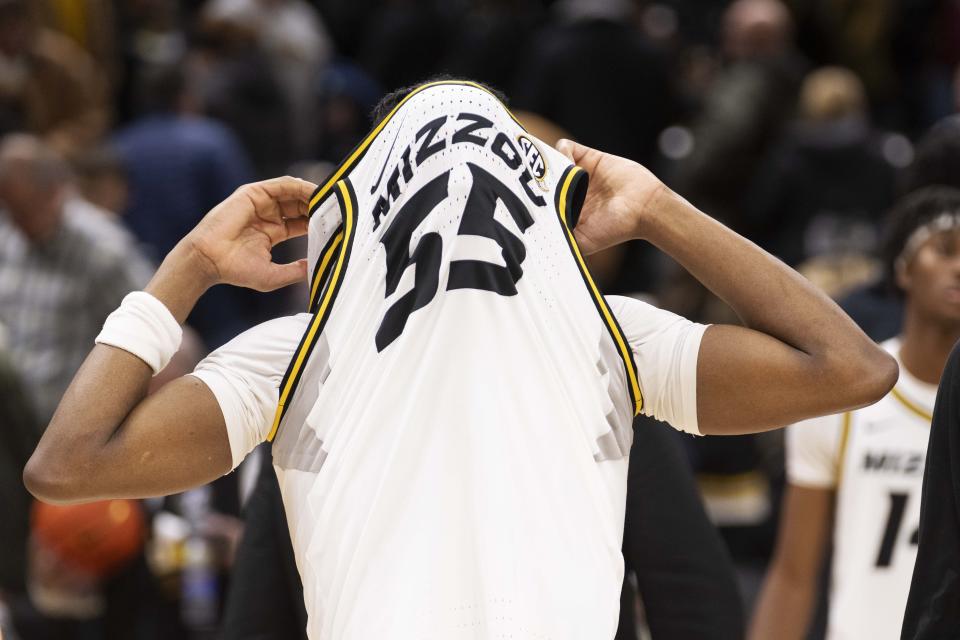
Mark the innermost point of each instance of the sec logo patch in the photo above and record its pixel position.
(535, 160)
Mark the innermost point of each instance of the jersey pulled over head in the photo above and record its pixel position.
(461, 373)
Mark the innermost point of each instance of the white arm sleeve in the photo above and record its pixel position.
(813, 451)
(665, 348)
(244, 376)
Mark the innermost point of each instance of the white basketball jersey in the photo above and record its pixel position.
(457, 455)
(879, 453)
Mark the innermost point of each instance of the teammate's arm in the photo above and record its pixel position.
(107, 438)
(789, 592)
(798, 356)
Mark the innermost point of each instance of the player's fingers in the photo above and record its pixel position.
(565, 147)
(282, 275)
(578, 153)
(269, 197)
(294, 209)
(288, 188)
(296, 227)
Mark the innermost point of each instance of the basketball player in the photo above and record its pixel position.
(858, 475)
(454, 420)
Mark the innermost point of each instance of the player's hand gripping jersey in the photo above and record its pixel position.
(453, 430)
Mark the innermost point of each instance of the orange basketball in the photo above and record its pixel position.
(98, 538)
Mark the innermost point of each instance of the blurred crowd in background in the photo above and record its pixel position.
(796, 122)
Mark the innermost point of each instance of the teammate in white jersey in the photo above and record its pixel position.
(859, 474)
(450, 441)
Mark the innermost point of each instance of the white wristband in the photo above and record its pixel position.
(144, 327)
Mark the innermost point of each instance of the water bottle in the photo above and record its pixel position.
(200, 598)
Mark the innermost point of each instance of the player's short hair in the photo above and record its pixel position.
(936, 159)
(392, 99)
(910, 213)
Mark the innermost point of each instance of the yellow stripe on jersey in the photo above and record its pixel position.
(323, 268)
(844, 438)
(613, 326)
(911, 406)
(322, 191)
(292, 376)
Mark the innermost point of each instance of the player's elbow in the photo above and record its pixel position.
(51, 482)
(864, 377)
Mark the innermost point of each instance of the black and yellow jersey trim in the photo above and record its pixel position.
(321, 272)
(291, 379)
(847, 421)
(324, 190)
(911, 406)
(570, 193)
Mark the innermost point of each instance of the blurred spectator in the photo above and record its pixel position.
(596, 76)
(824, 188)
(492, 37)
(88, 23)
(292, 36)
(102, 180)
(746, 107)
(936, 159)
(925, 46)
(150, 35)
(857, 35)
(180, 166)
(63, 269)
(404, 42)
(234, 81)
(48, 84)
(346, 99)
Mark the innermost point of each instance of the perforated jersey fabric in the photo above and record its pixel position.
(452, 431)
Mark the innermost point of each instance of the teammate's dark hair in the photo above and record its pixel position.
(937, 158)
(392, 99)
(910, 213)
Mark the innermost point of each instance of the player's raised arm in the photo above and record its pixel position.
(798, 354)
(107, 439)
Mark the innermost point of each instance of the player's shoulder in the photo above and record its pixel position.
(640, 319)
(632, 306)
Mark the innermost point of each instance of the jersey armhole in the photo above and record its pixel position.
(571, 191)
(332, 274)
